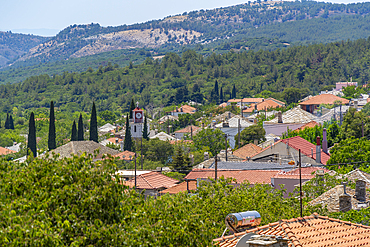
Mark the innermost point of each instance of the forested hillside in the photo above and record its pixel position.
(218, 30)
(176, 79)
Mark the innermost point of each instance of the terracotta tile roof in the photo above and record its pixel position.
(330, 198)
(265, 105)
(247, 151)
(223, 105)
(186, 109)
(182, 187)
(307, 173)
(305, 146)
(4, 151)
(307, 125)
(324, 99)
(277, 101)
(153, 180)
(246, 100)
(295, 115)
(188, 129)
(114, 139)
(252, 176)
(125, 155)
(309, 231)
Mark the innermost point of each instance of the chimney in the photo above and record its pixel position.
(202, 125)
(318, 150)
(177, 109)
(344, 200)
(360, 193)
(181, 109)
(320, 175)
(324, 142)
(229, 115)
(255, 142)
(206, 156)
(356, 104)
(280, 117)
(266, 241)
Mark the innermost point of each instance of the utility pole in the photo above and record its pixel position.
(226, 146)
(216, 167)
(135, 170)
(362, 128)
(238, 132)
(300, 183)
(141, 150)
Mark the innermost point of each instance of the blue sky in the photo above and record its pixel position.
(47, 17)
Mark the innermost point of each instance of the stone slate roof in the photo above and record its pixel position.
(220, 157)
(308, 231)
(223, 116)
(295, 115)
(163, 136)
(358, 175)
(330, 199)
(80, 147)
(233, 122)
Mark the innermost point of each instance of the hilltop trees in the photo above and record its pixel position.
(51, 140)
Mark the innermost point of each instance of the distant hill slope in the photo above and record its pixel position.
(13, 45)
(206, 31)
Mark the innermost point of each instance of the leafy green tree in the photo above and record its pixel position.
(181, 162)
(251, 133)
(214, 139)
(51, 140)
(80, 131)
(156, 150)
(128, 144)
(32, 135)
(292, 95)
(352, 124)
(145, 129)
(108, 116)
(93, 125)
(74, 136)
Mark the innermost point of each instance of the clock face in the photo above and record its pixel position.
(138, 115)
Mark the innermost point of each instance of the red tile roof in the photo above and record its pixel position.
(4, 151)
(125, 155)
(306, 172)
(181, 187)
(153, 180)
(265, 105)
(246, 100)
(186, 109)
(309, 231)
(113, 140)
(324, 99)
(252, 176)
(188, 129)
(305, 146)
(247, 151)
(308, 125)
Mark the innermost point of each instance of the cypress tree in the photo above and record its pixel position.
(216, 89)
(7, 121)
(80, 131)
(51, 141)
(32, 135)
(233, 93)
(132, 107)
(93, 125)
(221, 96)
(127, 145)
(145, 130)
(74, 131)
(11, 123)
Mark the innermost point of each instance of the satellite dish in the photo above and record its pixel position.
(242, 242)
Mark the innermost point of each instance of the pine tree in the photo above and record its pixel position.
(180, 161)
(127, 145)
(11, 123)
(132, 107)
(32, 135)
(221, 96)
(7, 121)
(80, 132)
(93, 125)
(145, 130)
(51, 141)
(74, 132)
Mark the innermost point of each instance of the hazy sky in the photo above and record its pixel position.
(20, 15)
